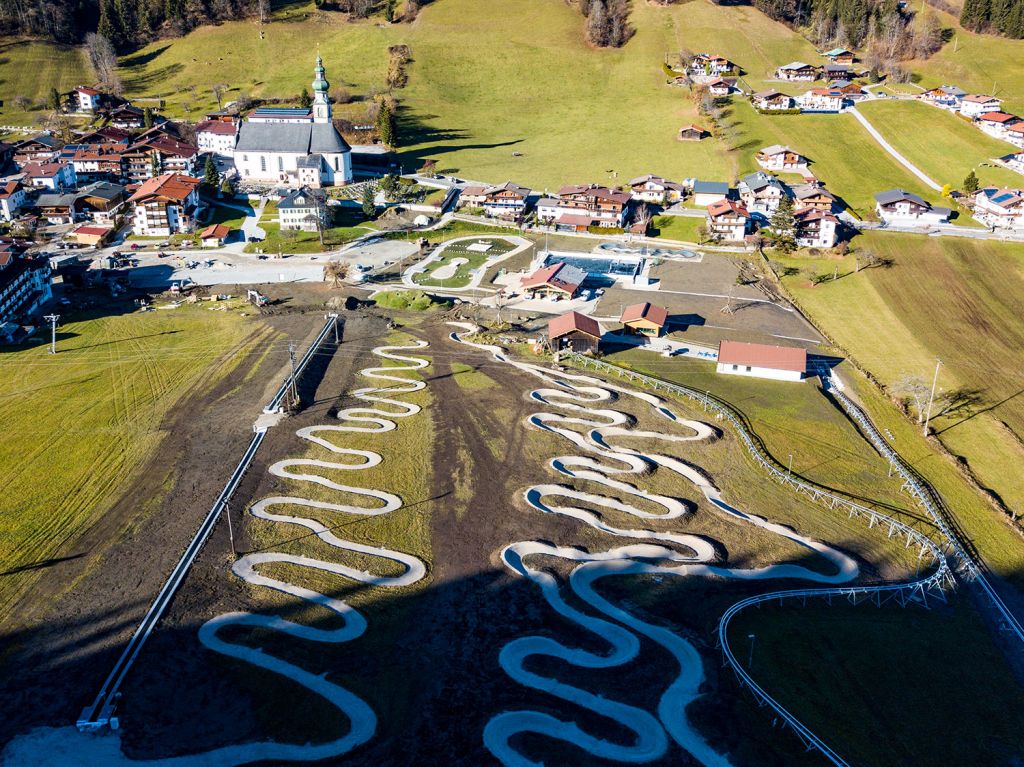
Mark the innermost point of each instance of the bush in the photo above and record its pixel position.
(407, 300)
(794, 111)
(609, 230)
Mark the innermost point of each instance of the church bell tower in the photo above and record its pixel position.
(321, 102)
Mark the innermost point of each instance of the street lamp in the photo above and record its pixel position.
(750, 659)
(791, 464)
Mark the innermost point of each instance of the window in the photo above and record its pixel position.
(263, 163)
(336, 164)
(735, 367)
(748, 368)
(245, 158)
(280, 165)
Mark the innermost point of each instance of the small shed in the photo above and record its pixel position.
(576, 332)
(692, 133)
(214, 235)
(781, 363)
(645, 319)
(92, 235)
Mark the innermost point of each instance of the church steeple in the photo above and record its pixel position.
(321, 101)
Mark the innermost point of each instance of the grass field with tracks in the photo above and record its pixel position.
(74, 426)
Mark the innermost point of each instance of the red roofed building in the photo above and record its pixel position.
(574, 331)
(645, 319)
(556, 281)
(728, 220)
(92, 235)
(217, 137)
(780, 363)
(214, 235)
(56, 176)
(996, 123)
(88, 99)
(165, 205)
(581, 206)
(12, 198)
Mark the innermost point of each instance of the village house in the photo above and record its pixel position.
(831, 72)
(38, 149)
(644, 319)
(821, 100)
(58, 207)
(507, 201)
(163, 153)
(1000, 209)
(656, 190)
(574, 332)
(901, 208)
(24, 288)
(813, 196)
(728, 221)
(165, 205)
(106, 135)
(101, 201)
(816, 228)
(722, 86)
(976, 105)
(1015, 161)
(797, 71)
(996, 123)
(87, 99)
(772, 101)
(216, 137)
(945, 96)
(1015, 133)
(841, 56)
(708, 192)
(555, 281)
(95, 161)
(777, 157)
(761, 193)
(580, 207)
(780, 363)
(127, 117)
(214, 235)
(56, 176)
(12, 199)
(849, 90)
(92, 235)
(692, 132)
(710, 66)
(302, 209)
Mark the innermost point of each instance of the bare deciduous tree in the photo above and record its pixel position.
(914, 390)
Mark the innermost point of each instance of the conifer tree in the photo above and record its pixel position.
(971, 184)
(783, 225)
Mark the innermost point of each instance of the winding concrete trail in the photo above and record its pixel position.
(67, 747)
(591, 429)
(889, 148)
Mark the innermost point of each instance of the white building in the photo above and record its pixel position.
(1001, 209)
(821, 100)
(87, 99)
(656, 190)
(1015, 161)
(780, 363)
(270, 152)
(709, 192)
(797, 71)
(777, 157)
(761, 193)
(728, 220)
(976, 105)
(216, 137)
(816, 228)
(12, 198)
(55, 176)
(165, 205)
(901, 208)
(300, 209)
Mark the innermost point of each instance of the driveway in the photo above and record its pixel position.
(896, 155)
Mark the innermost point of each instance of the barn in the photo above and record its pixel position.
(575, 332)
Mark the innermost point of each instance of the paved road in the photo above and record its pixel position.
(888, 148)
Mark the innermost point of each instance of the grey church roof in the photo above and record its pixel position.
(303, 138)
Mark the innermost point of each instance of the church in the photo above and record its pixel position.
(306, 152)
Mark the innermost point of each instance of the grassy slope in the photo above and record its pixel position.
(31, 69)
(941, 144)
(73, 427)
(955, 300)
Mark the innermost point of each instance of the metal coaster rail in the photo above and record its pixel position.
(100, 712)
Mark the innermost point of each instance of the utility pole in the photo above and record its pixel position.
(52, 319)
(295, 388)
(791, 464)
(750, 659)
(231, 532)
(931, 397)
(334, 316)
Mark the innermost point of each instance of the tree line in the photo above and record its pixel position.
(1004, 17)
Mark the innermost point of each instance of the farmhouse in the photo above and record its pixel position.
(945, 96)
(816, 228)
(1001, 209)
(840, 56)
(165, 205)
(575, 332)
(38, 149)
(996, 123)
(777, 157)
(812, 196)
(582, 206)
(24, 286)
(728, 220)
(903, 208)
(772, 100)
(722, 86)
(692, 133)
(303, 209)
(216, 137)
(761, 193)
(976, 105)
(656, 190)
(831, 72)
(127, 117)
(12, 199)
(269, 151)
(505, 201)
(645, 319)
(556, 281)
(780, 363)
(710, 65)
(214, 235)
(707, 192)
(821, 100)
(848, 89)
(797, 71)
